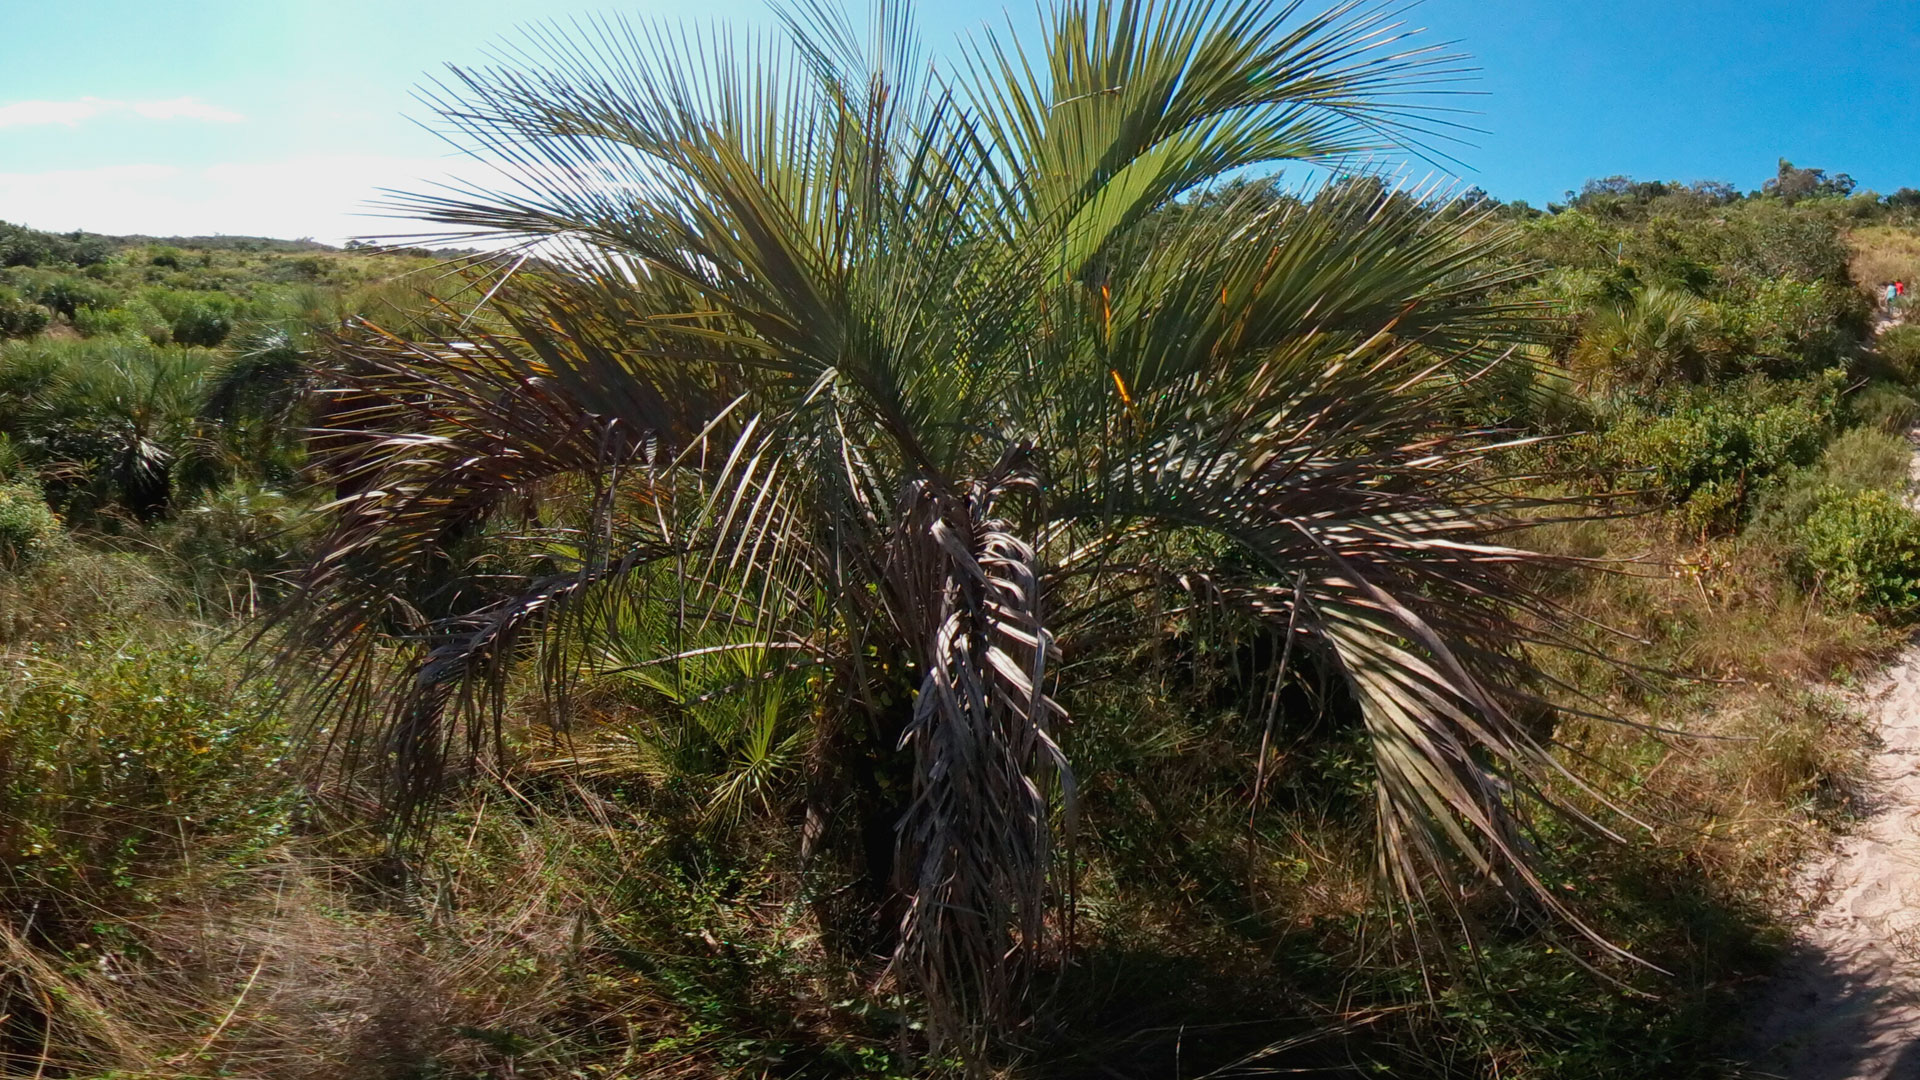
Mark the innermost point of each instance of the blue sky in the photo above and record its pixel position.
(282, 116)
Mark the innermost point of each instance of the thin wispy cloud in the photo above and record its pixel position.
(329, 197)
(186, 108)
(32, 113)
(74, 113)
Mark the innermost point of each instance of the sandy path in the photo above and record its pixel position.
(1846, 1002)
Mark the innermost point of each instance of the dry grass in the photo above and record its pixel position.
(546, 930)
(1883, 253)
(295, 973)
(1753, 786)
(1737, 655)
(1723, 609)
(541, 936)
(81, 592)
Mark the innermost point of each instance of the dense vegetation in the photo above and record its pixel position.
(943, 583)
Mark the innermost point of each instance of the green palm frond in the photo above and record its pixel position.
(113, 423)
(1657, 336)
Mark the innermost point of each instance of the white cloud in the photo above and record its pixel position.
(186, 108)
(25, 113)
(322, 196)
(70, 113)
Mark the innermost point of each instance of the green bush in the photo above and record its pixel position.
(1862, 548)
(232, 544)
(193, 318)
(206, 324)
(100, 322)
(66, 294)
(1793, 328)
(1899, 347)
(1865, 458)
(112, 424)
(1657, 337)
(1861, 459)
(21, 246)
(1760, 239)
(28, 528)
(1710, 455)
(136, 317)
(28, 369)
(20, 317)
(1884, 406)
(116, 758)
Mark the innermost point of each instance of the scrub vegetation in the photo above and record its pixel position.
(860, 565)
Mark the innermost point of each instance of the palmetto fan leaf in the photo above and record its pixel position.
(832, 358)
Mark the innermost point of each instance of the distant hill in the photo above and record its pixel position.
(21, 245)
(224, 243)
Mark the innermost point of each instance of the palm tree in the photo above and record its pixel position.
(842, 387)
(1655, 337)
(110, 424)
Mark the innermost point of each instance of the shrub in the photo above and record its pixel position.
(1713, 453)
(20, 317)
(66, 294)
(233, 543)
(21, 246)
(304, 268)
(101, 322)
(1899, 347)
(28, 528)
(115, 758)
(1863, 549)
(193, 318)
(1572, 239)
(1885, 407)
(203, 323)
(1794, 328)
(111, 422)
(1655, 338)
(1760, 239)
(135, 317)
(1862, 459)
(27, 369)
